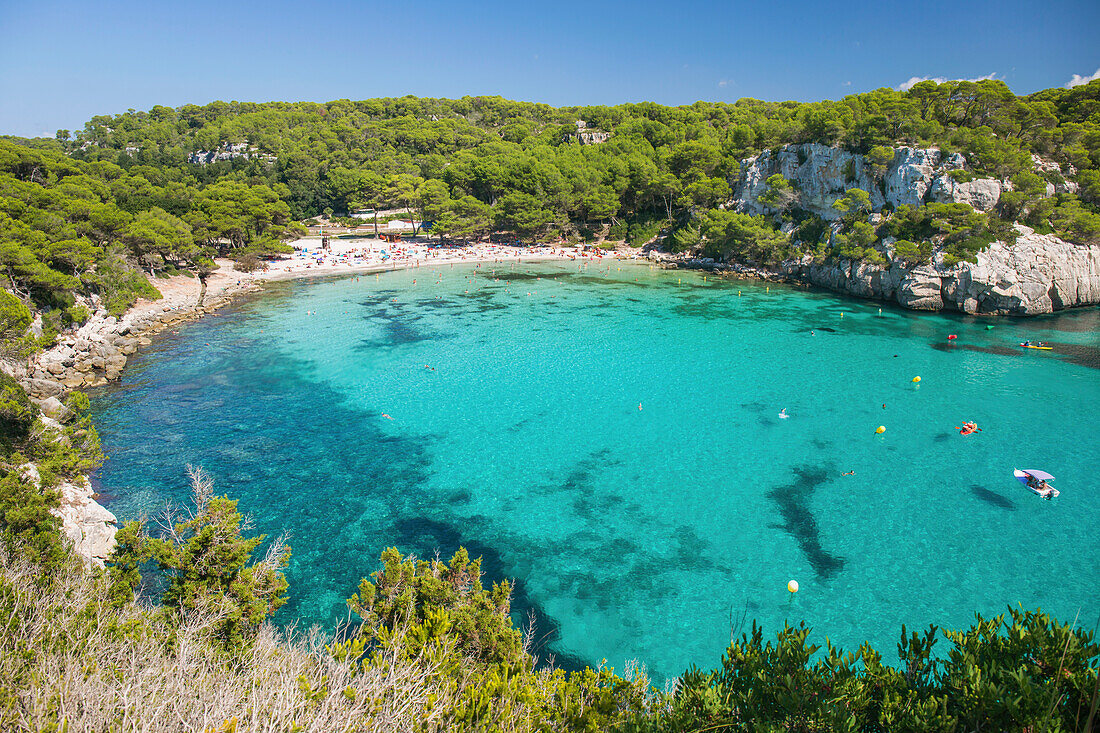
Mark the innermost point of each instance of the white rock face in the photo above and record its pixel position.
(982, 193)
(87, 526)
(1037, 274)
(822, 174)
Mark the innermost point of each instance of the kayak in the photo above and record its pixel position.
(1041, 348)
(1023, 476)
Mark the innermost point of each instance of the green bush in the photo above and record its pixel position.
(1022, 672)
(206, 568)
(120, 285)
(618, 230)
(77, 315)
(17, 413)
(643, 230)
(15, 319)
(441, 614)
(682, 238)
(26, 522)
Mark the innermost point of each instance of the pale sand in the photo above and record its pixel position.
(348, 257)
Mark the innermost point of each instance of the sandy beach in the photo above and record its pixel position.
(373, 255)
(344, 257)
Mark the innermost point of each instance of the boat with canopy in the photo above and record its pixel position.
(1036, 482)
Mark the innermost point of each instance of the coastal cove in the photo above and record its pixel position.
(608, 435)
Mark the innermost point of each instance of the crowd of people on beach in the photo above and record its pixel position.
(351, 255)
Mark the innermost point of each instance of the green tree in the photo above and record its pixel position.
(15, 319)
(855, 204)
(157, 234)
(879, 158)
(780, 195)
(206, 561)
(521, 213)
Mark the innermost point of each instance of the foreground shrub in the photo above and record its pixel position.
(1023, 672)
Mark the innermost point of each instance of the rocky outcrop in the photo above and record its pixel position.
(1056, 181)
(1038, 274)
(822, 174)
(92, 356)
(87, 527)
(982, 193)
(228, 151)
(99, 350)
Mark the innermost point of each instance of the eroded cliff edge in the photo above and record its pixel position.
(1036, 274)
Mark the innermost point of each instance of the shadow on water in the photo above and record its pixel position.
(426, 536)
(992, 497)
(397, 326)
(1077, 320)
(1080, 354)
(948, 347)
(793, 501)
(249, 407)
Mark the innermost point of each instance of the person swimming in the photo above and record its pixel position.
(783, 413)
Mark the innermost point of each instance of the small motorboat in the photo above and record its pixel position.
(1036, 482)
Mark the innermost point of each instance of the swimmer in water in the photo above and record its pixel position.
(386, 416)
(850, 473)
(783, 413)
(639, 407)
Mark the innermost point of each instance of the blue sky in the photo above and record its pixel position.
(62, 62)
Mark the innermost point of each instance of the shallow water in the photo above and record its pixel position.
(609, 437)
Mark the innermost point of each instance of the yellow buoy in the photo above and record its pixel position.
(792, 586)
(916, 379)
(880, 429)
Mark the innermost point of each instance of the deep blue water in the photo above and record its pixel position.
(634, 533)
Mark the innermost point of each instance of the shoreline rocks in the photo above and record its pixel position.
(92, 356)
(1038, 274)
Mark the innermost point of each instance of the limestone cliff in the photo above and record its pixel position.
(91, 356)
(822, 174)
(1037, 274)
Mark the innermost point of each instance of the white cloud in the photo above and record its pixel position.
(1078, 80)
(724, 83)
(847, 84)
(914, 80)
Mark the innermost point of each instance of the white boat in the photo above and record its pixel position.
(1036, 482)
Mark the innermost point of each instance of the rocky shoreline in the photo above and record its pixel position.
(98, 351)
(92, 356)
(1038, 274)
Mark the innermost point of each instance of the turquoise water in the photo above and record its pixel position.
(634, 533)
